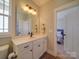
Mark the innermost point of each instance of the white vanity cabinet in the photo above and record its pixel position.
(31, 48)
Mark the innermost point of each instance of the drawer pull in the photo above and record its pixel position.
(38, 45)
(31, 50)
(26, 46)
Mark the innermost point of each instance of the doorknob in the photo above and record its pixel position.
(38, 45)
(64, 34)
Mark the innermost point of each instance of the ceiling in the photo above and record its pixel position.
(40, 2)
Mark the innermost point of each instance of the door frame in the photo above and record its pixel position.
(66, 6)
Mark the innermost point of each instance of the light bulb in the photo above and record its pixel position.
(30, 10)
(26, 8)
(34, 13)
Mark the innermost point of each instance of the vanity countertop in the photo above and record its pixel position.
(25, 39)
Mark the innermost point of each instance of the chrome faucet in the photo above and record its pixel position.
(30, 33)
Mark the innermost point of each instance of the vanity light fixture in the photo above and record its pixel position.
(30, 10)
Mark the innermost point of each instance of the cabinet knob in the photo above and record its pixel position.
(38, 45)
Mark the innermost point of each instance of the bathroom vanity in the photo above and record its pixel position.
(24, 46)
(30, 47)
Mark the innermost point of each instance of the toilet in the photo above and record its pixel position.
(4, 51)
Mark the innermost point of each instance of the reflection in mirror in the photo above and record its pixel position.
(24, 25)
(25, 21)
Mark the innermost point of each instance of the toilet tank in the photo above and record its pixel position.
(4, 51)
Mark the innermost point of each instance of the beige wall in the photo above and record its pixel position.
(47, 17)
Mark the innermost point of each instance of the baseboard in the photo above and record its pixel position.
(72, 54)
(51, 52)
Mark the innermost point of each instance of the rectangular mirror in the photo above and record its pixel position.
(26, 21)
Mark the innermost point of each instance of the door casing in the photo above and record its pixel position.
(69, 5)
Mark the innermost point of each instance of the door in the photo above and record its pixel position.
(71, 29)
(37, 49)
(44, 46)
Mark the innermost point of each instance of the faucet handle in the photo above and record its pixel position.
(31, 34)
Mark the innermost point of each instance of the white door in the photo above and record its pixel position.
(71, 29)
(44, 45)
(37, 49)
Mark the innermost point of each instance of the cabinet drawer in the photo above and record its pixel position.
(24, 47)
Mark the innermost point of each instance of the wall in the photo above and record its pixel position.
(47, 18)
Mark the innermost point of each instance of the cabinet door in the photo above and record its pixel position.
(25, 51)
(25, 55)
(45, 45)
(37, 49)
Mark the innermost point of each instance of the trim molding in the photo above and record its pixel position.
(66, 6)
